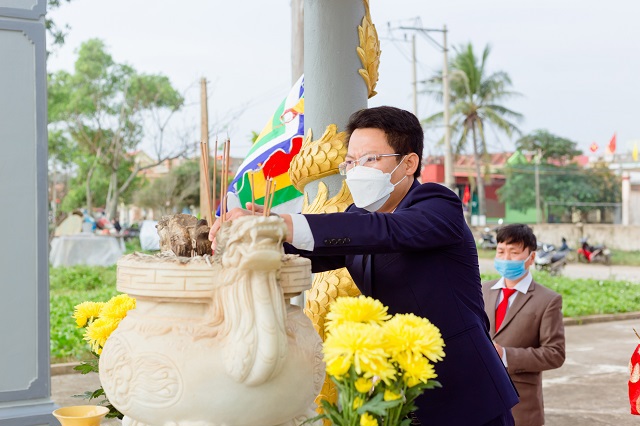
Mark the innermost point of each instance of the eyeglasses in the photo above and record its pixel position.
(366, 160)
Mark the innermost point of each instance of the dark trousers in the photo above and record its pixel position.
(506, 419)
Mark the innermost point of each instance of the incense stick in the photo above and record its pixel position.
(253, 197)
(225, 179)
(273, 194)
(204, 152)
(215, 173)
(265, 204)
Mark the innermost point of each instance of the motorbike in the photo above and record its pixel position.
(592, 254)
(552, 259)
(488, 239)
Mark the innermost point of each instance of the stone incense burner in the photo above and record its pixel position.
(214, 341)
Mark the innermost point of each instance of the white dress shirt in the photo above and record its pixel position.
(522, 287)
(302, 238)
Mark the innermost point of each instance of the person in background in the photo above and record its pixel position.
(525, 321)
(407, 245)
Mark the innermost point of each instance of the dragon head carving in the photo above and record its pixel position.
(251, 243)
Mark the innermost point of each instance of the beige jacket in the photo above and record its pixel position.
(532, 334)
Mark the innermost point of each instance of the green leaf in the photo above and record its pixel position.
(85, 395)
(377, 405)
(97, 393)
(87, 367)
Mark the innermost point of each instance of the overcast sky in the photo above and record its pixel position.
(575, 62)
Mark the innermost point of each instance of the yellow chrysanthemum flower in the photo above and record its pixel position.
(99, 331)
(364, 385)
(362, 346)
(118, 306)
(357, 403)
(368, 420)
(416, 369)
(407, 333)
(359, 309)
(338, 366)
(86, 311)
(390, 395)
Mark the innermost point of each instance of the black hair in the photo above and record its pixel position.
(402, 128)
(517, 233)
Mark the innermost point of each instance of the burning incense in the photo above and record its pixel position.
(273, 194)
(266, 198)
(225, 178)
(253, 197)
(204, 155)
(215, 173)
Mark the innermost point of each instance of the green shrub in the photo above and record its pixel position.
(581, 297)
(70, 286)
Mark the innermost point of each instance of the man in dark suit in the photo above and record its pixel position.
(526, 325)
(408, 245)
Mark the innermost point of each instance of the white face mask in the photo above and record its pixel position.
(371, 188)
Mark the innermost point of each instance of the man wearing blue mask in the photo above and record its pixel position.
(525, 321)
(407, 244)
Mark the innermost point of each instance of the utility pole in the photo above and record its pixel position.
(297, 39)
(449, 180)
(415, 75)
(204, 137)
(537, 184)
(446, 91)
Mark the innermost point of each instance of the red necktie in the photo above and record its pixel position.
(501, 310)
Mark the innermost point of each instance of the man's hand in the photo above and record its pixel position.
(498, 349)
(238, 212)
(231, 215)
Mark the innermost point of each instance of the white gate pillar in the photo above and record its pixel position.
(25, 381)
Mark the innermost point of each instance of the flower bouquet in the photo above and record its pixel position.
(379, 363)
(100, 320)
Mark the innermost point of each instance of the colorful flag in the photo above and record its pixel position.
(612, 144)
(270, 157)
(634, 153)
(593, 147)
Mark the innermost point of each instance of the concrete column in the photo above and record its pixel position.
(333, 89)
(297, 39)
(626, 198)
(24, 289)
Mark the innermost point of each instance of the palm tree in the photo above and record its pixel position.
(475, 103)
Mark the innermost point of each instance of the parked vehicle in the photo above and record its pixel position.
(592, 254)
(488, 239)
(131, 232)
(550, 259)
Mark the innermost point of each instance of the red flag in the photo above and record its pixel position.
(466, 197)
(593, 147)
(612, 144)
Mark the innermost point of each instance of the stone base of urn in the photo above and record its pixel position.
(216, 343)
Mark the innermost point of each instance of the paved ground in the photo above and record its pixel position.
(590, 389)
(582, 270)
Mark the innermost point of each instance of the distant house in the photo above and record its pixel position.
(465, 176)
(464, 172)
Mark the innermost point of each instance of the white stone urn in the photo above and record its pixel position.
(215, 341)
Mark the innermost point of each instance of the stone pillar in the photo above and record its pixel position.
(340, 72)
(333, 89)
(626, 198)
(24, 302)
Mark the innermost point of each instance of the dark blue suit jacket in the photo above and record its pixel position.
(422, 259)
